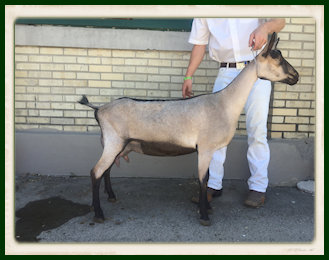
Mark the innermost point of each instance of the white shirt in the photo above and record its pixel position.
(227, 37)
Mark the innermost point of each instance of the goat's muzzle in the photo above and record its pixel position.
(292, 78)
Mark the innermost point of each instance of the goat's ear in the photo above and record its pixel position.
(276, 44)
(269, 45)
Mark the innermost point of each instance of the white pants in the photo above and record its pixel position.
(256, 109)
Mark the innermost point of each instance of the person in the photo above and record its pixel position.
(231, 42)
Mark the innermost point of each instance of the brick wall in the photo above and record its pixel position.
(50, 80)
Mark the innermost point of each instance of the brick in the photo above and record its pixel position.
(157, 93)
(299, 104)
(21, 74)
(276, 134)
(26, 82)
(98, 99)
(89, 60)
(204, 80)
(33, 112)
(123, 53)
(170, 86)
(160, 63)
(134, 92)
(85, 121)
(50, 98)
(306, 128)
(62, 106)
(147, 54)
(135, 77)
(50, 82)
(99, 84)
(55, 51)
(123, 69)
(300, 88)
(169, 71)
(303, 37)
(147, 70)
(285, 95)
(111, 92)
(20, 112)
(175, 55)
(51, 113)
(52, 67)
(75, 51)
(307, 80)
(112, 76)
(307, 96)
(284, 112)
(55, 127)
(86, 91)
(38, 120)
(292, 28)
(75, 83)
(39, 74)
(73, 98)
(301, 54)
(294, 62)
(138, 62)
(43, 105)
(27, 50)
(64, 59)
(305, 71)
(93, 128)
(20, 104)
(38, 90)
(24, 97)
(76, 67)
(147, 85)
(279, 86)
(180, 63)
(290, 45)
(75, 128)
(19, 89)
(88, 75)
(113, 61)
(309, 45)
(296, 120)
(158, 78)
(277, 119)
(306, 112)
(279, 103)
(20, 58)
(303, 20)
(308, 63)
(62, 121)
(64, 75)
(19, 119)
(295, 135)
(99, 52)
(37, 58)
(283, 127)
(74, 113)
(284, 36)
(176, 94)
(27, 66)
(309, 28)
(100, 68)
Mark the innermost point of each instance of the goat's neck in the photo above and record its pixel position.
(236, 93)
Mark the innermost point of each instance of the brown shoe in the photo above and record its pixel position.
(211, 193)
(255, 199)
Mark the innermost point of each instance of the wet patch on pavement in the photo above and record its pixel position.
(46, 214)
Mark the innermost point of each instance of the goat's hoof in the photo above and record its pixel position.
(91, 208)
(204, 222)
(98, 220)
(112, 200)
(210, 211)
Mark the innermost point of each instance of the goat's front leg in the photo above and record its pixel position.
(108, 186)
(204, 159)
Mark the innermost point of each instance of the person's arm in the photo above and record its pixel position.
(259, 36)
(197, 55)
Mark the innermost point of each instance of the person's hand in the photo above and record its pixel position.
(187, 88)
(258, 38)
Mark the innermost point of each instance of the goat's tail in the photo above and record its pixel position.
(84, 101)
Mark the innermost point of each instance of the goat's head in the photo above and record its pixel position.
(272, 66)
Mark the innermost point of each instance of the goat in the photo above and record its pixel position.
(203, 123)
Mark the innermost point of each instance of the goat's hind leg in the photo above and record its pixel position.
(204, 159)
(110, 151)
(108, 186)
